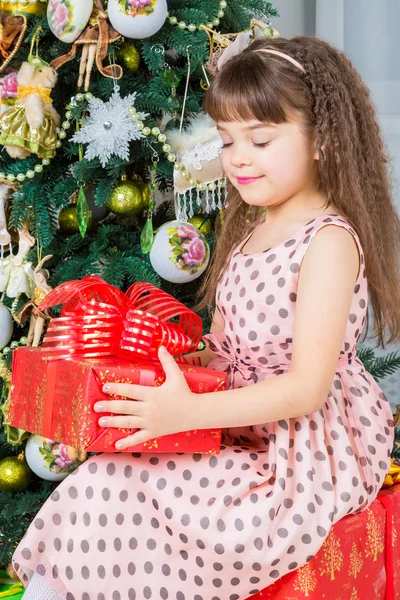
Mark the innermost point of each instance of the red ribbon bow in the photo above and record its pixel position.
(98, 319)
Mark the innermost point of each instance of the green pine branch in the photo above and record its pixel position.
(383, 366)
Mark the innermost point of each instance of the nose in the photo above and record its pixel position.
(239, 156)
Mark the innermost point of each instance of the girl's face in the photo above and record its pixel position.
(268, 163)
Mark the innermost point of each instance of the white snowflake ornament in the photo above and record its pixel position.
(109, 128)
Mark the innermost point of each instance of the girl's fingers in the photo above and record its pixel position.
(122, 407)
(121, 422)
(140, 437)
(128, 390)
(169, 364)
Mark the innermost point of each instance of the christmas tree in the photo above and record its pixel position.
(82, 191)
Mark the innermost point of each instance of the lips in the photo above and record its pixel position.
(247, 180)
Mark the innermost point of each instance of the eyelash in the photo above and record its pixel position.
(263, 145)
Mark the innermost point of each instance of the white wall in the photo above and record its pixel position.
(368, 33)
(296, 17)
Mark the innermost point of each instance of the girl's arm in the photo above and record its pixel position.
(325, 291)
(203, 357)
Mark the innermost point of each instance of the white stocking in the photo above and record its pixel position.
(38, 589)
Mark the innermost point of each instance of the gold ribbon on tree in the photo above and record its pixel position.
(12, 31)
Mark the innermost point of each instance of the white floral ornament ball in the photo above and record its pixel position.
(6, 326)
(67, 20)
(51, 460)
(180, 252)
(137, 19)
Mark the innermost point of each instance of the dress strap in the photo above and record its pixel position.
(324, 221)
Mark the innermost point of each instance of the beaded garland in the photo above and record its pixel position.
(192, 27)
(147, 131)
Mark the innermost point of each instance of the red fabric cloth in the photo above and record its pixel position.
(390, 499)
(359, 560)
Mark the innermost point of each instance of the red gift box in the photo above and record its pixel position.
(55, 398)
(104, 335)
(359, 559)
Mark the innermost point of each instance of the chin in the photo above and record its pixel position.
(254, 200)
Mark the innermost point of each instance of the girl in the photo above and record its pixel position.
(307, 431)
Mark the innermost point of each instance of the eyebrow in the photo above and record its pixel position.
(249, 127)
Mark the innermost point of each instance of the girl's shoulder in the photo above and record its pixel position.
(325, 220)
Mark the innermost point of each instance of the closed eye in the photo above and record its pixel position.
(262, 145)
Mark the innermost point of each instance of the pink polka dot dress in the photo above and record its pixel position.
(198, 527)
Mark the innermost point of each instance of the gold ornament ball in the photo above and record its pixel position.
(22, 8)
(130, 57)
(68, 221)
(15, 474)
(197, 220)
(126, 199)
(146, 194)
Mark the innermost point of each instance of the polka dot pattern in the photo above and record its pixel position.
(180, 526)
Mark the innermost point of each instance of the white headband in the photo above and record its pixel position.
(283, 55)
(243, 41)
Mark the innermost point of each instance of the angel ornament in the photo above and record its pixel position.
(16, 274)
(37, 320)
(94, 41)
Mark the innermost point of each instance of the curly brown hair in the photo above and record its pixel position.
(335, 107)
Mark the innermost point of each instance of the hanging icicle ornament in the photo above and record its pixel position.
(147, 235)
(199, 179)
(209, 182)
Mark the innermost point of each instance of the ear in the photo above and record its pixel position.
(25, 73)
(320, 154)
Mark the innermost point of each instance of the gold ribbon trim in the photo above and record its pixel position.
(12, 31)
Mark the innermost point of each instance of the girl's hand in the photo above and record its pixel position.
(155, 411)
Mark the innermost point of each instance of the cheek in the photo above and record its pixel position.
(285, 163)
(226, 163)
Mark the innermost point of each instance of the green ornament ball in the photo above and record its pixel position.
(200, 223)
(146, 194)
(130, 57)
(126, 199)
(15, 474)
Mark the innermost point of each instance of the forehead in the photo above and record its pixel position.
(251, 126)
